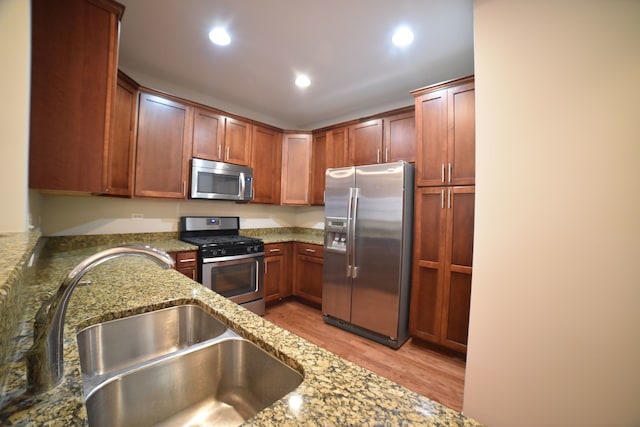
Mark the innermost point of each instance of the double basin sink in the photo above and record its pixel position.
(176, 366)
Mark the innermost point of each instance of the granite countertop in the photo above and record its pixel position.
(334, 392)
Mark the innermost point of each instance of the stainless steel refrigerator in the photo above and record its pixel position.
(367, 250)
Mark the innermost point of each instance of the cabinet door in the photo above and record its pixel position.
(119, 160)
(318, 168)
(74, 48)
(365, 143)
(266, 161)
(337, 153)
(456, 294)
(296, 164)
(431, 138)
(429, 262)
(208, 135)
(186, 263)
(443, 252)
(308, 272)
(461, 150)
(400, 138)
(164, 147)
(237, 142)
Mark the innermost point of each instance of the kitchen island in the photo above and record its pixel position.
(334, 392)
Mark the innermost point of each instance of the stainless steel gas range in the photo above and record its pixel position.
(228, 263)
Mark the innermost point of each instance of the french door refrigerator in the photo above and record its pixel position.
(367, 250)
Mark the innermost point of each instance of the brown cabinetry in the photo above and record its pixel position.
(296, 169)
(73, 86)
(307, 277)
(220, 138)
(266, 161)
(237, 142)
(444, 214)
(120, 152)
(441, 292)
(208, 134)
(186, 263)
(365, 143)
(400, 138)
(318, 167)
(163, 147)
(337, 153)
(277, 280)
(445, 131)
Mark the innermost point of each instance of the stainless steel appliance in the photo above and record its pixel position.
(220, 181)
(367, 250)
(228, 263)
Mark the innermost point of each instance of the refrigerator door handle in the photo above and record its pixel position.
(354, 222)
(349, 241)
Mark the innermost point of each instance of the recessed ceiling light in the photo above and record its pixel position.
(219, 36)
(402, 37)
(302, 81)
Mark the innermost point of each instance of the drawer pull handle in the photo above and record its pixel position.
(274, 250)
(313, 251)
(187, 260)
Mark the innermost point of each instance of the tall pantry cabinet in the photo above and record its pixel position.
(444, 209)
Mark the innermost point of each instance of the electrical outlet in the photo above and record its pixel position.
(137, 215)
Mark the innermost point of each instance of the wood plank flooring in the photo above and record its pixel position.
(434, 375)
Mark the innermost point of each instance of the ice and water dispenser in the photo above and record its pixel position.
(336, 234)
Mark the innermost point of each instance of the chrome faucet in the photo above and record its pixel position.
(45, 363)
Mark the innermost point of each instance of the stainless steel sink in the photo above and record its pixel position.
(111, 346)
(224, 383)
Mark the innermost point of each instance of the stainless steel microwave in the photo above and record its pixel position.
(221, 181)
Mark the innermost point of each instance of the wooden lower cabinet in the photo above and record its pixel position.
(442, 267)
(277, 282)
(186, 263)
(307, 275)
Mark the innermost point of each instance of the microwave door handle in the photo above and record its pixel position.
(242, 185)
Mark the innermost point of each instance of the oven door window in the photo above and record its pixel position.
(232, 278)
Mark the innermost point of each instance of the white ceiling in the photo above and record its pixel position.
(343, 45)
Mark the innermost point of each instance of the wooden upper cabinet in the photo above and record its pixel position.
(365, 143)
(445, 134)
(461, 153)
(163, 148)
(237, 142)
(296, 169)
(266, 161)
(74, 51)
(337, 150)
(119, 160)
(400, 138)
(318, 168)
(208, 134)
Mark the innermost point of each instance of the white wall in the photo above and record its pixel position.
(15, 54)
(68, 215)
(555, 308)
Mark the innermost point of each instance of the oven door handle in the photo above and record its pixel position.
(232, 258)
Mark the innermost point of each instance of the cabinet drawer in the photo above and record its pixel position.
(186, 259)
(310, 250)
(274, 249)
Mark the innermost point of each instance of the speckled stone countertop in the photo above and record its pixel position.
(334, 392)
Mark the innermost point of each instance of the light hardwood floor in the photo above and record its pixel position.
(434, 375)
